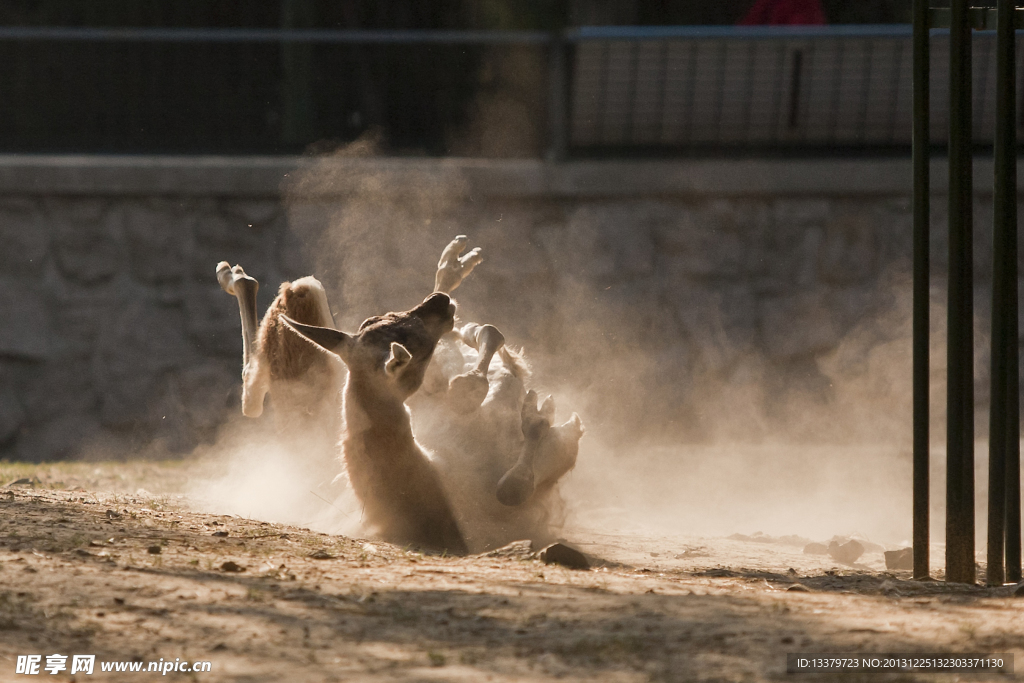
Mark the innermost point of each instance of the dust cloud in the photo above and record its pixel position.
(686, 434)
(262, 473)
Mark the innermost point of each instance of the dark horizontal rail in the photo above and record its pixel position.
(978, 17)
(684, 32)
(641, 33)
(608, 88)
(364, 36)
(270, 35)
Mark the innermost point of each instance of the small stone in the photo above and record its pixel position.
(559, 553)
(113, 515)
(899, 559)
(515, 550)
(847, 553)
(321, 555)
(799, 588)
(154, 550)
(230, 566)
(219, 534)
(815, 549)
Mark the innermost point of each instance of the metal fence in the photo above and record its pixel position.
(606, 90)
(848, 87)
(236, 90)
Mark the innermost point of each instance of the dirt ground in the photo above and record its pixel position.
(108, 559)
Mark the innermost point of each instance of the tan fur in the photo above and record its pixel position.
(288, 356)
(474, 451)
(477, 426)
(402, 495)
(403, 498)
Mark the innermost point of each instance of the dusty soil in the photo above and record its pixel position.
(107, 560)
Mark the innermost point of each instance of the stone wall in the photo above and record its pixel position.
(699, 296)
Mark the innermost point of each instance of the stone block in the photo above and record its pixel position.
(212, 319)
(61, 438)
(12, 413)
(604, 242)
(847, 553)
(86, 244)
(26, 331)
(796, 326)
(258, 213)
(801, 213)
(902, 559)
(790, 259)
(849, 251)
(60, 386)
(156, 233)
(207, 390)
(79, 315)
(716, 240)
(292, 261)
(855, 305)
(720, 318)
(143, 346)
(25, 237)
(220, 236)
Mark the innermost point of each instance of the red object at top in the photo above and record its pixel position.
(784, 13)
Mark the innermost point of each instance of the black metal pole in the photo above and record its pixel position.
(960, 331)
(1003, 268)
(1008, 116)
(921, 140)
(1013, 538)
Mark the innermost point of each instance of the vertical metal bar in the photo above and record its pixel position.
(922, 269)
(748, 88)
(723, 58)
(774, 135)
(794, 89)
(865, 89)
(1003, 266)
(1013, 539)
(602, 89)
(960, 342)
(837, 88)
(662, 88)
(631, 88)
(1006, 124)
(691, 88)
(894, 86)
(558, 88)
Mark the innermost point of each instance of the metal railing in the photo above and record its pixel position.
(219, 90)
(605, 90)
(1004, 502)
(843, 86)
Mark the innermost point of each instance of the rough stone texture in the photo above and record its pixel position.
(651, 297)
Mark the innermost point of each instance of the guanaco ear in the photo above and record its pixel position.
(331, 340)
(547, 409)
(398, 359)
